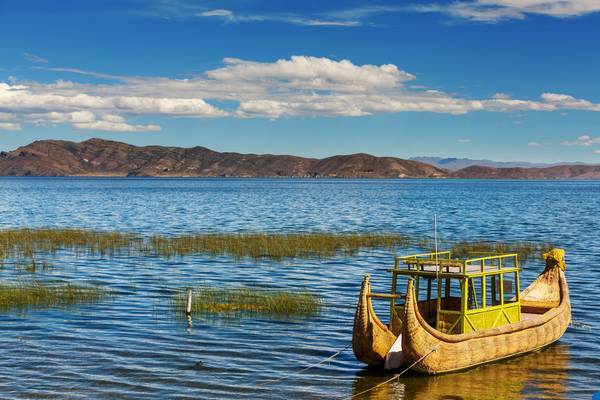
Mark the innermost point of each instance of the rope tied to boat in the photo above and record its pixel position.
(287, 376)
(580, 325)
(396, 376)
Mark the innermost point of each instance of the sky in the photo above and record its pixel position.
(507, 80)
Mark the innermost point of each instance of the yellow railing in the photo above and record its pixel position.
(493, 263)
(423, 255)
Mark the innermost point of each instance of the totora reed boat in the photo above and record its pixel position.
(450, 314)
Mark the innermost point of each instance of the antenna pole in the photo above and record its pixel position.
(435, 241)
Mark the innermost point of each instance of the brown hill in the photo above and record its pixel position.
(579, 171)
(98, 157)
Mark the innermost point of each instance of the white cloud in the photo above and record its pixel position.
(497, 10)
(9, 126)
(217, 13)
(596, 151)
(569, 102)
(534, 144)
(464, 140)
(66, 102)
(34, 58)
(584, 141)
(299, 86)
(313, 73)
(106, 125)
(295, 19)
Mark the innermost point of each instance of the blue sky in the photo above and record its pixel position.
(497, 79)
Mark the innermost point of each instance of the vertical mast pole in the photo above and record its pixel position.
(437, 271)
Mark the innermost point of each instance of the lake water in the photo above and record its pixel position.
(131, 347)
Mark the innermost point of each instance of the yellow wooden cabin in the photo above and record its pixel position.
(459, 296)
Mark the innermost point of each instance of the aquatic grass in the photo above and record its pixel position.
(27, 243)
(32, 244)
(24, 296)
(276, 246)
(241, 300)
(525, 249)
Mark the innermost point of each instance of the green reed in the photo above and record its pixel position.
(37, 295)
(274, 246)
(26, 243)
(247, 300)
(29, 244)
(524, 249)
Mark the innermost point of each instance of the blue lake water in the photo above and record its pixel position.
(131, 347)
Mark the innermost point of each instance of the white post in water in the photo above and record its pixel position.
(188, 303)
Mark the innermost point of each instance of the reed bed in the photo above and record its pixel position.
(27, 243)
(275, 246)
(237, 301)
(37, 295)
(524, 249)
(32, 244)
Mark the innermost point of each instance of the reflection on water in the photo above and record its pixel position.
(540, 375)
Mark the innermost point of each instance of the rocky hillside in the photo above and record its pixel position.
(97, 157)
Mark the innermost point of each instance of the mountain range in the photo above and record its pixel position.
(454, 164)
(99, 157)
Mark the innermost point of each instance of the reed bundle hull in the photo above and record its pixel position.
(546, 316)
(433, 352)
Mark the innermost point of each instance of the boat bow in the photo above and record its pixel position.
(371, 339)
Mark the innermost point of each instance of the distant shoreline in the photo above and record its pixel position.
(282, 178)
(105, 158)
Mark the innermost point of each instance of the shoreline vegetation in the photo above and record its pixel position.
(25, 296)
(240, 301)
(21, 244)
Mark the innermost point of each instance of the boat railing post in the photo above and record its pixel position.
(517, 280)
(393, 290)
(502, 290)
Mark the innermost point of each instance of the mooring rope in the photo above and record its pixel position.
(287, 376)
(397, 375)
(580, 325)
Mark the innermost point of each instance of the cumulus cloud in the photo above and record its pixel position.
(584, 141)
(497, 10)
(9, 126)
(314, 73)
(104, 125)
(67, 102)
(299, 86)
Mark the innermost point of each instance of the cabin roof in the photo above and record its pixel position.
(442, 263)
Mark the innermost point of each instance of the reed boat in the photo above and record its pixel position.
(450, 314)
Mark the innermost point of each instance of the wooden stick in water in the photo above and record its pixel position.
(188, 303)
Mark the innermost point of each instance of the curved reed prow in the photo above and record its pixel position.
(545, 292)
(371, 339)
(555, 258)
